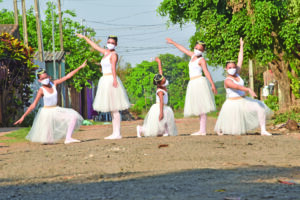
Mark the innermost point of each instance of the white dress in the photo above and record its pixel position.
(239, 115)
(109, 98)
(152, 125)
(51, 122)
(199, 97)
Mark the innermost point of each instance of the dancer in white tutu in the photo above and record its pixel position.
(52, 122)
(199, 98)
(159, 121)
(240, 114)
(111, 95)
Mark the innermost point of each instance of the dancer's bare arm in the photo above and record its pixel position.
(31, 107)
(203, 64)
(180, 47)
(161, 105)
(93, 44)
(69, 75)
(159, 65)
(241, 56)
(114, 60)
(230, 84)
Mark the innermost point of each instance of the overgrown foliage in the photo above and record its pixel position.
(270, 30)
(17, 72)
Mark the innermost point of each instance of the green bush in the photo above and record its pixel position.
(272, 102)
(284, 117)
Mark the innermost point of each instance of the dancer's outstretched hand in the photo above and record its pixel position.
(80, 35)
(241, 41)
(19, 121)
(169, 40)
(251, 92)
(83, 64)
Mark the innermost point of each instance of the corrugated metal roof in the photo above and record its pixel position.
(48, 56)
(12, 29)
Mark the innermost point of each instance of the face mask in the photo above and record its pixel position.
(231, 71)
(45, 81)
(197, 52)
(110, 46)
(166, 83)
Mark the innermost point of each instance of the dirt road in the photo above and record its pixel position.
(184, 167)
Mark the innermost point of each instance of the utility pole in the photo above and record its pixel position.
(53, 42)
(24, 18)
(16, 12)
(39, 30)
(60, 26)
(251, 82)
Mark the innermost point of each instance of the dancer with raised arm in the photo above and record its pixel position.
(52, 122)
(239, 113)
(111, 95)
(160, 119)
(199, 98)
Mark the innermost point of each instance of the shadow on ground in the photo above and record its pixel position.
(241, 183)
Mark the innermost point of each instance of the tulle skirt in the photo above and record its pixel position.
(241, 115)
(51, 124)
(199, 98)
(154, 127)
(109, 98)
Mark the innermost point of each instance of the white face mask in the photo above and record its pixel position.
(45, 81)
(231, 71)
(197, 52)
(166, 83)
(110, 46)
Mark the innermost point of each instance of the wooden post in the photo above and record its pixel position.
(60, 26)
(39, 30)
(24, 18)
(16, 12)
(251, 82)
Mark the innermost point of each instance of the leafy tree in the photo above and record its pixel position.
(270, 30)
(16, 75)
(77, 50)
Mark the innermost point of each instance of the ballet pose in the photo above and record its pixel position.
(240, 114)
(199, 98)
(52, 122)
(111, 95)
(159, 121)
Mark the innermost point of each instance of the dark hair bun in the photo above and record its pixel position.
(157, 79)
(40, 72)
(115, 38)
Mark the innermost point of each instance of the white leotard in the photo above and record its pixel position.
(233, 92)
(165, 97)
(50, 99)
(106, 64)
(194, 67)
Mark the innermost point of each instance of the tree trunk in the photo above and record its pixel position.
(280, 68)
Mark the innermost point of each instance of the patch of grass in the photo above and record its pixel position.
(213, 114)
(16, 136)
(178, 114)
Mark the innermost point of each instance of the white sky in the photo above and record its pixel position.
(140, 30)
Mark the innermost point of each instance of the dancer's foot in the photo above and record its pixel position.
(138, 132)
(220, 133)
(71, 140)
(198, 133)
(113, 137)
(165, 134)
(265, 133)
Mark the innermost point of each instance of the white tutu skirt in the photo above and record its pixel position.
(241, 115)
(51, 124)
(109, 98)
(199, 98)
(154, 127)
